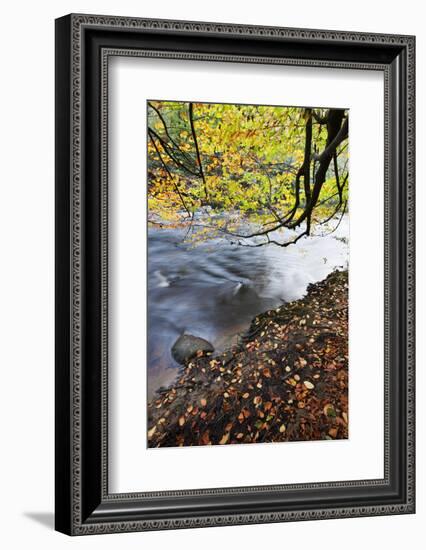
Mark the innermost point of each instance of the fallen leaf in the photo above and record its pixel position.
(224, 439)
(205, 439)
(308, 385)
(151, 432)
(332, 432)
(329, 410)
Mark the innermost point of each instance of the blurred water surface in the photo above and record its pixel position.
(214, 289)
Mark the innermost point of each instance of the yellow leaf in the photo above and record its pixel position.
(224, 439)
(329, 410)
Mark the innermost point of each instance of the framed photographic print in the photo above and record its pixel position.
(234, 274)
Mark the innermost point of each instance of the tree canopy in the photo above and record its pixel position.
(259, 171)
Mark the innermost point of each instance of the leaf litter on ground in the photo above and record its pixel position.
(287, 380)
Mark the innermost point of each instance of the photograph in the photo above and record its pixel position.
(210, 298)
(248, 273)
(234, 271)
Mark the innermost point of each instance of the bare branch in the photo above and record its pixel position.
(170, 176)
(197, 150)
(166, 129)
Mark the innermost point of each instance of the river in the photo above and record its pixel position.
(214, 289)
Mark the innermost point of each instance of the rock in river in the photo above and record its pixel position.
(187, 346)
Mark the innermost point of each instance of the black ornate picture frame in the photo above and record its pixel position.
(84, 43)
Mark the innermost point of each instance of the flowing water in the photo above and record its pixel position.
(214, 289)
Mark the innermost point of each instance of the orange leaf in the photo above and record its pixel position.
(205, 439)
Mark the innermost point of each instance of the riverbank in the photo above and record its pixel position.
(287, 380)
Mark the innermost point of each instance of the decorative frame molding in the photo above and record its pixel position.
(84, 44)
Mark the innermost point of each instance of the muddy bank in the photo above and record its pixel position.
(287, 379)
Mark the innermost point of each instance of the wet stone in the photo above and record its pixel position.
(188, 346)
